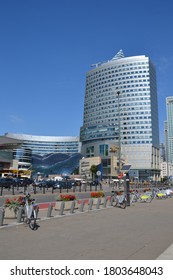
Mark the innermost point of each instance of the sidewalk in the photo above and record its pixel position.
(143, 231)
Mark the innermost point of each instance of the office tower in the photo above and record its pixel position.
(121, 104)
(162, 152)
(166, 139)
(169, 142)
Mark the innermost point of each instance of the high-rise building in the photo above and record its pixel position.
(166, 140)
(121, 112)
(169, 142)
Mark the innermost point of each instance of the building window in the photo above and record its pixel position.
(90, 151)
(103, 150)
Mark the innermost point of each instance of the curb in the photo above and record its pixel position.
(54, 217)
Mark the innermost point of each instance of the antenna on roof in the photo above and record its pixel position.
(119, 55)
(96, 64)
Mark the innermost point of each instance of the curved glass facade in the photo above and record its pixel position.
(135, 78)
(56, 163)
(47, 148)
(136, 108)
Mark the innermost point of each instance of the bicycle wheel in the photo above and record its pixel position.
(115, 202)
(32, 224)
(26, 220)
(123, 205)
(149, 199)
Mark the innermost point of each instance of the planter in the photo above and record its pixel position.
(10, 213)
(67, 205)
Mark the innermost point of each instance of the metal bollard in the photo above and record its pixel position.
(1, 191)
(62, 208)
(72, 207)
(43, 189)
(49, 210)
(105, 202)
(24, 189)
(81, 208)
(19, 215)
(35, 190)
(98, 203)
(37, 211)
(112, 199)
(2, 214)
(90, 204)
(13, 190)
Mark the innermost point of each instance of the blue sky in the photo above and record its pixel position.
(46, 48)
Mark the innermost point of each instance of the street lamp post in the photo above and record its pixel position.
(127, 191)
(119, 134)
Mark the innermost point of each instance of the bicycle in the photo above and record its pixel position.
(120, 201)
(31, 210)
(145, 197)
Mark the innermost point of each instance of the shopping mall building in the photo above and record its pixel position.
(44, 154)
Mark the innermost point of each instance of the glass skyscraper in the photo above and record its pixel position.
(134, 111)
(169, 142)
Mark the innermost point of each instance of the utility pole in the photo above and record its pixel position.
(119, 134)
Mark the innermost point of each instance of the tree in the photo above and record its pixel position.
(164, 179)
(93, 170)
(113, 149)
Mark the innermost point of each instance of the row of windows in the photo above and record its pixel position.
(47, 144)
(43, 151)
(122, 85)
(141, 93)
(118, 68)
(105, 118)
(114, 78)
(136, 130)
(117, 77)
(129, 104)
(111, 92)
(146, 136)
(136, 142)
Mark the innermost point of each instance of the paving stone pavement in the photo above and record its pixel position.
(142, 231)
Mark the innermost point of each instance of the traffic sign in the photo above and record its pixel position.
(98, 173)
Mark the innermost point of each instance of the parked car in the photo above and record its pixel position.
(18, 181)
(50, 183)
(26, 181)
(40, 184)
(7, 182)
(44, 183)
(63, 185)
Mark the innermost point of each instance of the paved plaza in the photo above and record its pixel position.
(142, 231)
